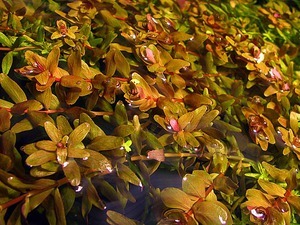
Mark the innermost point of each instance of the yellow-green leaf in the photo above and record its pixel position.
(14, 91)
(78, 153)
(121, 63)
(4, 120)
(7, 62)
(46, 145)
(63, 125)
(72, 172)
(212, 212)
(93, 195)
(40, 157)
(59, 208)
(125, 173)
(174, 65)
(271, 188)
(4, 40)
(79, 133)
(176, 199)
(103, 143)
(97, 162)
(53, 133)
(115, 218)
(31, 202)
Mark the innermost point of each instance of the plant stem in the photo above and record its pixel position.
(167, 155)
(31, 193)
(7, 49)
(58, 183)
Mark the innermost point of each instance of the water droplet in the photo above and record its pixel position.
(222, 220)
(216, 145)
(85, 158)
(104, 207)
(262, 136)
(78, 188)
(90, 87)
(109, 169)
(10, 178)
(65, 164)
(259, 213)
(184, 178)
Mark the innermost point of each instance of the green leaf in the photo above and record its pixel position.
(294, 121)
(177, 199)
(4, 40)
(225, 185)
(38, 118)
(68, 197)
(93, 195)
(277, 217)
(23, 125)
(54, 134)
(15, 217)
(107, 190)
(5, 104)
(194, 184)
(63, 125)
(40, 172)
(96, 161)
(212, 212)
(59, 208)
(111, 66)
(109, 19)
(152, 140)
(104, 143)
(14, 91)
(5, 162)
(61, 155)
(78, 134)
(7, 62)
(72, 172)
(26, 106)
(31, 202)
(276, 173)
(123, 192)
(5, 117)
(121, 63)
(271, 188)
(209, 63)
(174, 65)
(125, 173)
(294, 201)
(115, 218)
(49, 207)
(78, 153)
(46, 145)
(123, 130)
(74, 62)
(95, 130)
(40, 157)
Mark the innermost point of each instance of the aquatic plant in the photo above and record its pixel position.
(97, 95)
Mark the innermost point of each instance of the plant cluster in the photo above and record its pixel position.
(93, 89)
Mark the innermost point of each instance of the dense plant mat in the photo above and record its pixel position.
(96, 95)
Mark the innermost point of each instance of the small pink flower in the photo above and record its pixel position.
(285, 87)
(276, 15)
(175, 125)
(150, 55)
(275, 74)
